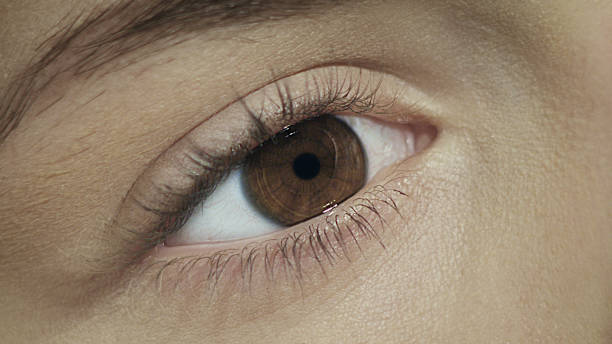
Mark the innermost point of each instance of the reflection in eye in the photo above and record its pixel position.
(300, 173)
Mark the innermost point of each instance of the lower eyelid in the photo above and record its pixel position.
(366, 220)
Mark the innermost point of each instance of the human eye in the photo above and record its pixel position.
(288, 173)
(303, 171)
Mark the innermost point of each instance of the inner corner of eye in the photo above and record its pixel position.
(297, 176)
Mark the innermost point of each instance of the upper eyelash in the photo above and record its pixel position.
(336, 95)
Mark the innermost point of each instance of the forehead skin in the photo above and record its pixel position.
(516, 245)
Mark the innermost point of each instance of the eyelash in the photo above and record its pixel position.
(336, 97)
(326, 245)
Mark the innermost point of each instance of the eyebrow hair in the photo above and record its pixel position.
(90, 41)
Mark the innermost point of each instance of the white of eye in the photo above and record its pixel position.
(229, 214)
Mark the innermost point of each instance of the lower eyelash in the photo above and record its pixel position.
(284, 259)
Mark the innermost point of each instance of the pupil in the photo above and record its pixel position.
(306, 166)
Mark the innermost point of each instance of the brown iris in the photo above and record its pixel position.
(306, 169)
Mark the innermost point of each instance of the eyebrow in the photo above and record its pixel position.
(91, 41)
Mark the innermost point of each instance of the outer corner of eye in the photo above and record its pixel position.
(296, 176)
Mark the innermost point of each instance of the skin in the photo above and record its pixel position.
(510, 234)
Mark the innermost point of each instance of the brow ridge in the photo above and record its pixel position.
(89, 41)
